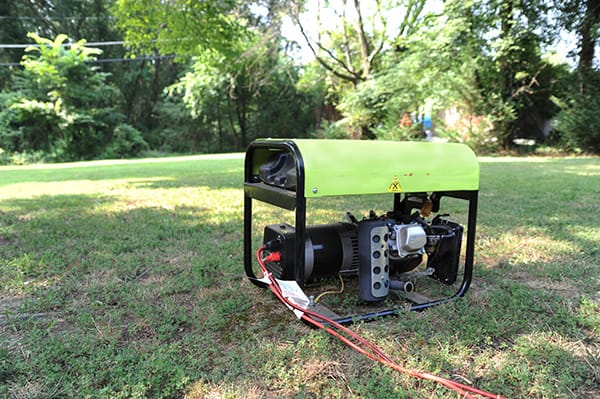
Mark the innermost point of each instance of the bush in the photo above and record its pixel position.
(61, 106)
(336, 130)
(4, 157)
(392, 130)
(29, 125)
(578, 123)
(127, 142)
(24, 158)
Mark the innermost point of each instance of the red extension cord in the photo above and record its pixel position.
(362, 345)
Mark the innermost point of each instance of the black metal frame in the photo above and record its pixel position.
(290, 200)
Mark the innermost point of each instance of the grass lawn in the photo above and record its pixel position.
(125, 279)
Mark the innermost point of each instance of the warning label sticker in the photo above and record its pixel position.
(395, 186)
(292, 291)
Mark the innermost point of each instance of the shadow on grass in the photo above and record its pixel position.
(152, 302)
(110, 300)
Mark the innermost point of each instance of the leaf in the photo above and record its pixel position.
(60, 39)
(521, 75)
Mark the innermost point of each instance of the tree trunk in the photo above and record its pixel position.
(234, 133)
(507, 72)
(242, 117)
(154, 92)
(219, 126)
(588, 41)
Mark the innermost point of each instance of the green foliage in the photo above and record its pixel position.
(176, 128)
(352, 45)
(241, 94)
(381, 102)
(512, 80)
(430, 70)
(230, 79)
(331, 130)
(394, 132)
(126, 142)
(60, 105)
(578, 122)
(191, 24)
(451, 60)
(29, 125)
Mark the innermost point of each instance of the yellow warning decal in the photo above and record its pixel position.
(395, 186)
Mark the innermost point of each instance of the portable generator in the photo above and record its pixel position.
(384, 254)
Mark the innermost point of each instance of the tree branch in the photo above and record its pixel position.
(346, 42)
(377, 50)
(351, 76)
(362, 37)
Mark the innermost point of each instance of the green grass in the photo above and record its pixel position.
(124, 280)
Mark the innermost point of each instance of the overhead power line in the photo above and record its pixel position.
(93, 44)
(142, 58)
(48, 18)
(108, 60)
(89, 44)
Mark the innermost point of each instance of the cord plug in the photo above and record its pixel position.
(273, 257)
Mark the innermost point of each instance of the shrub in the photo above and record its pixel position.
(578, 123)
(60, 104)
(127, 141)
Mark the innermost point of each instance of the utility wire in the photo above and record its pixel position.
(95, 44)
(47, 18)
(108, 60)
(89, 44)
(142, 58)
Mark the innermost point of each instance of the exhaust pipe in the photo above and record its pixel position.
(405, 286)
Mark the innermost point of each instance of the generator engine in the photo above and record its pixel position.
(382, 251)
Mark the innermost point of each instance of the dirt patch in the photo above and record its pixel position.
(9, 314)
(29, 389)
(8, 305)
(6, 241)
(565, 289)
(561, 288)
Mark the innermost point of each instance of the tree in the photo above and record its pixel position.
(578, 122)
(187, 29)
(432, 68)
(60, 104)
(11, 31)
(77, 19)
(246, 92)
(484, 58)
(236, 74)
(583, 18)
(351, 39)
(178, 27)
(350, 44)
(90, 19)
